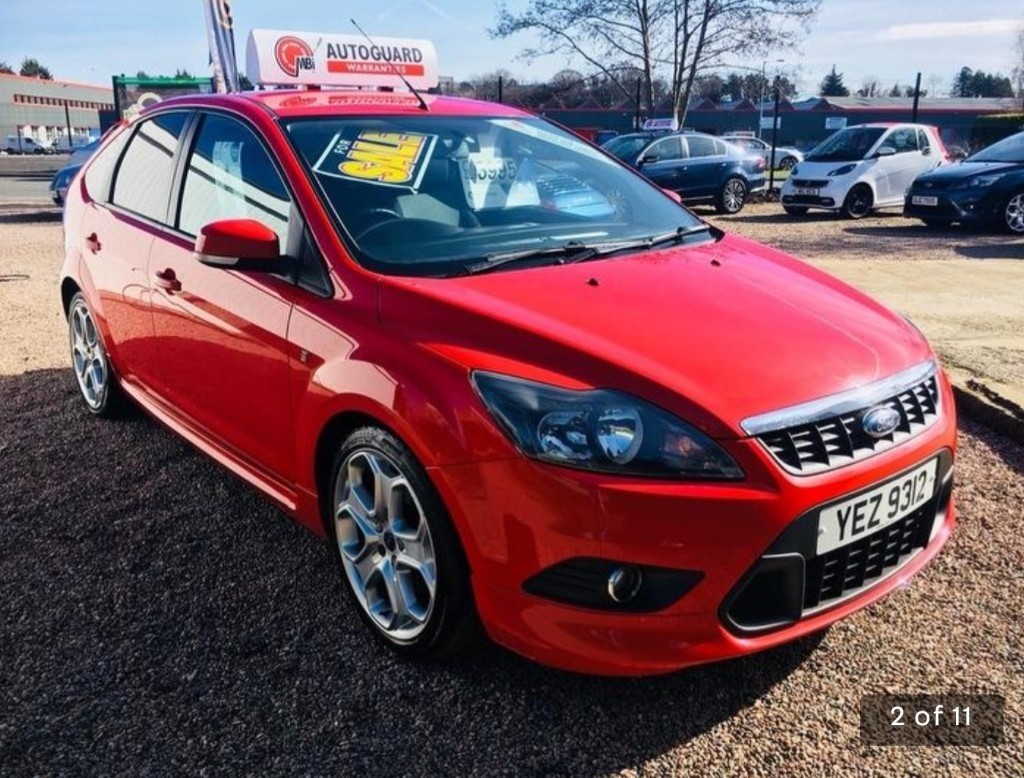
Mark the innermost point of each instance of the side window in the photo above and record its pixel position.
(701, 146)
(665, 149)
(903, 140)
(101, 169)
(143, 179)
(721, 147)
(922, 141)
(230, 176)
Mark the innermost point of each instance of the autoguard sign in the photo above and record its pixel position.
(283, 57)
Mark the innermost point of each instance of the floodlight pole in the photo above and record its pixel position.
(917, 98)
(775, 141)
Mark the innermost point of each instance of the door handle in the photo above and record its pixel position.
(93, 243)
(165, 279)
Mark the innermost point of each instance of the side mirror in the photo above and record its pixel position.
(647, 159)
(674, 195)
(242, 244)
(885, 151)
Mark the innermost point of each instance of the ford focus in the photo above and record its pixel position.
(519, 389)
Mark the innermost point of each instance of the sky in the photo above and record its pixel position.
(887, 39)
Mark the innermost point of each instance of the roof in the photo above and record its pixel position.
(967, 104)
(327, 102)
(54, 82)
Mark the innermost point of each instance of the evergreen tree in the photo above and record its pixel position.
(31, 67)
(832, 85)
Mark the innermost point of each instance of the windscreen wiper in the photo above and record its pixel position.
(569, 250)
(677, 235)
(574, 251)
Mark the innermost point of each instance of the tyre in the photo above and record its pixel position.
(795, 210)
(787, 163)
(732, 196)
(1013, 214)
(93, 372)
(858, 202)
(400, 558)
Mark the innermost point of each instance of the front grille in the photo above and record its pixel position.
(829, 443)
(810, 183)
(844, 571)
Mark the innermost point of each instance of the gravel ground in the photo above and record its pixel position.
(157, 615)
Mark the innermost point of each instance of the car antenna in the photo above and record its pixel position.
(397, 72)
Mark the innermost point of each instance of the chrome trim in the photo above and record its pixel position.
(840, 403)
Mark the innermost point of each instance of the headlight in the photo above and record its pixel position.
(979, 181)
(600, 429)
(842, 171)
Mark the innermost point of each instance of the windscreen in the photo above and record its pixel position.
(1007, 150)
(425, 195)
(849, 145)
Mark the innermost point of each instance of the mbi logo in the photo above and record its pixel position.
(293, 54)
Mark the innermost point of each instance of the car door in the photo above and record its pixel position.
(129, 188)
(707, 161)
(664, 163)
(900, 169)
(221, 334)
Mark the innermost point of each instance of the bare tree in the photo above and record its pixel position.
(674, 39)
(1018, 70)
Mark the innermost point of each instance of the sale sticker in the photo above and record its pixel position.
(378, 157)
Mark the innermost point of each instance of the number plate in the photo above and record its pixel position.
(922, 200)
(806, 192)
(850, 520)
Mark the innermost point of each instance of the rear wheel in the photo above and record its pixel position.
(732, 196)
(96, 382)
(795, 210)
(1013, 214)
(858, 202)
(400, 558)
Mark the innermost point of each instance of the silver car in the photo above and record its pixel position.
(785, 156)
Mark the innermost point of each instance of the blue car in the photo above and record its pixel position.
(986, 189)
(61, 181)
(699, 167)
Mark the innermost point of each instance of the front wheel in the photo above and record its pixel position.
(732, 196)
(96, 381)
(399, 554)
(858, 202)
(787, 163)
(1013, 214)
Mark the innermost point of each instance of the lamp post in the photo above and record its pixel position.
(763, 70)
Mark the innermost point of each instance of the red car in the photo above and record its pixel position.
(513, 383)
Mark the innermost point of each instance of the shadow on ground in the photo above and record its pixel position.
(32, 215)
(158, 615)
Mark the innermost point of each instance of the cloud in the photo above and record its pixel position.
(929, 30)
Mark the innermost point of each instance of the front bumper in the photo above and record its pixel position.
(518, 517)
(965, 206)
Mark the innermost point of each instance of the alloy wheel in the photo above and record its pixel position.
(87, 355)
(734, 195)
(1015, 213)
(858, 203)
(385, 543)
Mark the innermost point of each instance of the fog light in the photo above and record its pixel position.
(624, 583)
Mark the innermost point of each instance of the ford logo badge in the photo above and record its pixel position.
(880, 421)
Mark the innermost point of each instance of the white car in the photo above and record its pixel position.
(785, 156)
(26, 145)
(862, 168)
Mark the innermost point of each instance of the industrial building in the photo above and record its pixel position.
(45, 110)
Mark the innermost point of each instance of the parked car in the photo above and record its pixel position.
(618, 438)
(987, 188)
(82, 153)
(862, 168)
(26, 146)
(785, 156)
(699, 167)
(61, 182)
